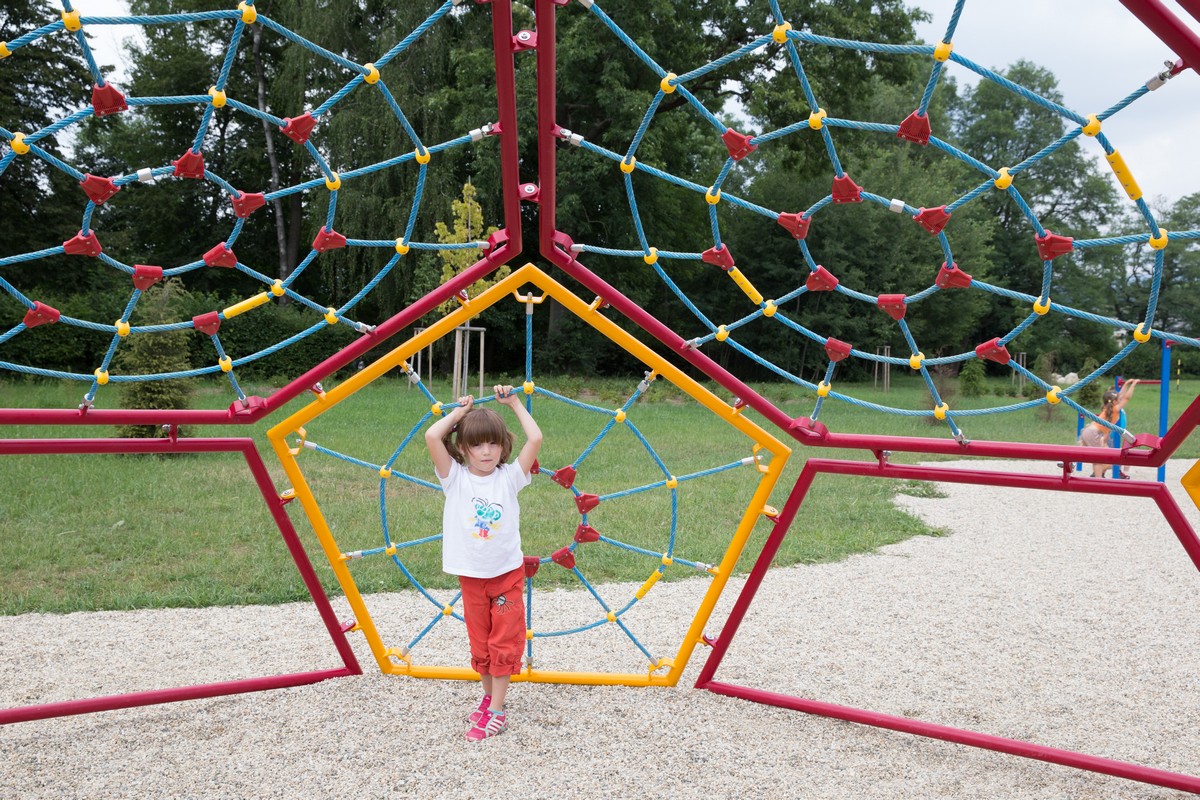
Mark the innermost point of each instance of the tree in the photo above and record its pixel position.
(155, 353)
(468, 227)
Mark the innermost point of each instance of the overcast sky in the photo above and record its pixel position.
(1098, 50)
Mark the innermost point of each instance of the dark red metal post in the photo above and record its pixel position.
(1163, 23)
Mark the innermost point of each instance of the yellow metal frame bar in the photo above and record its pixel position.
(529, 274)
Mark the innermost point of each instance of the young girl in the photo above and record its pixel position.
(1096, 435)
(481, 539)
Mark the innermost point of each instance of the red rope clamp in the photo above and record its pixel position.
(531, 565)
(586, 533)
(328, 240)
(821, 280)
(298, 128)
(81, 245)
(915, 128)
(41, 314)
(719, 257)
(220, 256)
(845, 190)
(795, 224)
(564, 476)
(837, 350)
(893, 305)
(208, 323)
(1051, 246)
(247, 203)
(98, 189)
(951, 277)
(145, 276)
(564, 558)
(992, 350)
(738, 144)
(586, 502)
(933, 219)
(107, 100)
(189, 165)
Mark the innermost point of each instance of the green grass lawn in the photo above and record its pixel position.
(119, 532)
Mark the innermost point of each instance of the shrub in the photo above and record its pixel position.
(147, 353)
(972, 381)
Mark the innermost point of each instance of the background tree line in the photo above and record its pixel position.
(446, 79)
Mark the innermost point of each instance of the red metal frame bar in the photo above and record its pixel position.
(881, 469)
(509, 245)
(262, 479)
(1163, 23)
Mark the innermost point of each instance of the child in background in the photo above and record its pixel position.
(481, 539)
(1096, 435)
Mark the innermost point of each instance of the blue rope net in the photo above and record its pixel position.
(304, 129)
(646, 476)
(787, 45)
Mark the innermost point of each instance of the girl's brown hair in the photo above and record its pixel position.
(477, 426)
(1108, 412)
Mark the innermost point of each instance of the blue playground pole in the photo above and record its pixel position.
(1164, 400)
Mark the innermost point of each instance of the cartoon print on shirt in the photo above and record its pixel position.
(487, 518)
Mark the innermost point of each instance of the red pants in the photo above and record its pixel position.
(494, 609)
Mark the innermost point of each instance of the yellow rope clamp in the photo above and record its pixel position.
(527, 387)
(334, 183)
(384, 472)
(672, 482)
(1117, 162)
(823, 389)
(914, 361)
(18, 144)
(667, 560)
(218, 97)
(422, 158)
(1052, 396)
(1040, 308)
(651, 258)
(391, 550)
(4, 51)
(611, 617)
(1160, 241)
(101, 376)
(1005, 180)
(401, 247)
(942, 51)
(372, 76)
(247, 304)
(436, 409)
(226, 364)
(722, 333)
(1141, 333)
(940, 411)
(71, 21)
(770, 308)
(331, 316)
(1093, 125)
(816, 119)
(780, 32)
(628, 166)
(277, 288)
(619, 417)
(122, 327)
(447, 610)
(666, 83)
(249, 13)
(529, 634)
(744, 284)
(710, 198)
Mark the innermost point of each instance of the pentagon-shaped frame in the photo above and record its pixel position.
(529, 275)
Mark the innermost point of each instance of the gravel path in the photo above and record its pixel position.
(1066, 620)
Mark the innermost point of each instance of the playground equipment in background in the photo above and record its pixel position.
(296, 434)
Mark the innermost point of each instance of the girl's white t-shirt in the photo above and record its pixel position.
(481, 521)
